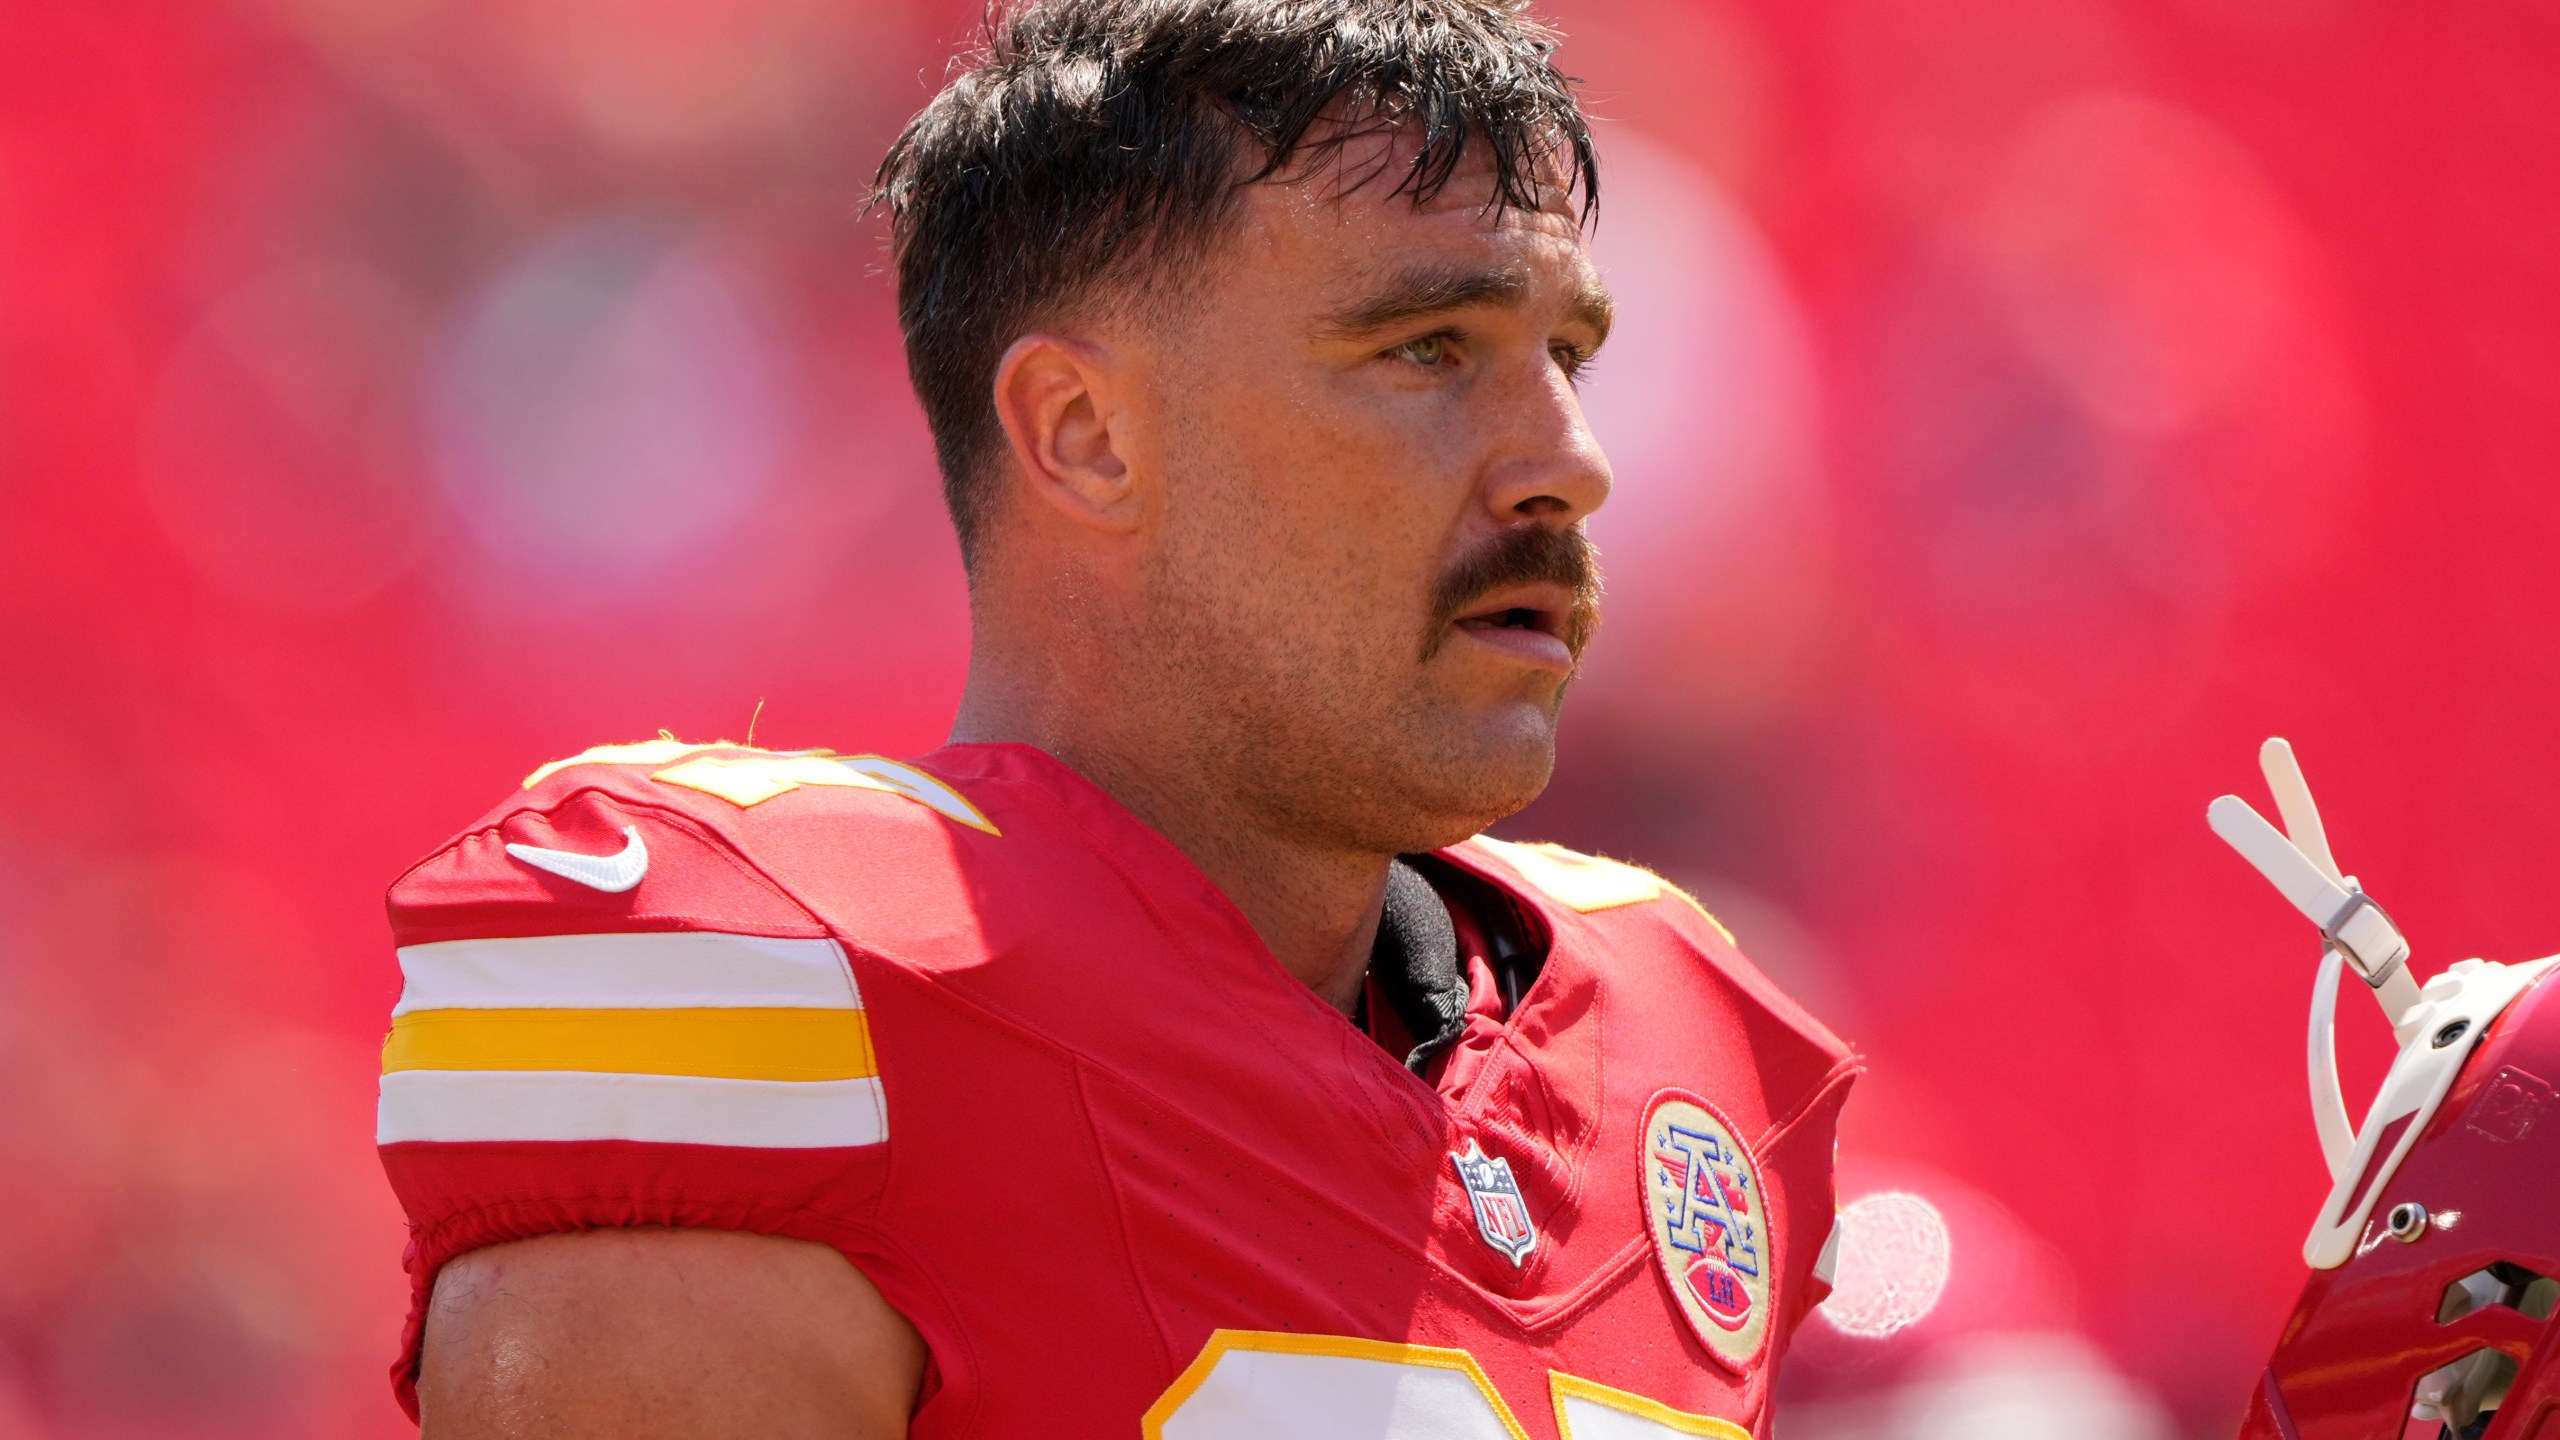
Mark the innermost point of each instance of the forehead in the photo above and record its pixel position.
(1344, 221)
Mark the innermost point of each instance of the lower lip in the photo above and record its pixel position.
(1533, 647)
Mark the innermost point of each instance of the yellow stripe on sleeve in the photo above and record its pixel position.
(726, 1043)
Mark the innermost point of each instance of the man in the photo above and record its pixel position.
(1161, 1056)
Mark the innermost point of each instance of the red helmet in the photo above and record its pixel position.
(2435, 1261)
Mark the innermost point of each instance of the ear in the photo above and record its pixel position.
(1055, 397)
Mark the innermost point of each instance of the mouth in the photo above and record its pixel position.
(1530, 623)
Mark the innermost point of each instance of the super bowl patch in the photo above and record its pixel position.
(1710, 1225)
(1502, 1216)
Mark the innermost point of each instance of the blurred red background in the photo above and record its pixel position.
(2022, 407)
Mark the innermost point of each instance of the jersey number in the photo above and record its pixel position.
(1263, 1385)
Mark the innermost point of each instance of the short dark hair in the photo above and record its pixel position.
(1091, 143)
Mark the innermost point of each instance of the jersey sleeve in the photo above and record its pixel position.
(608, 1017)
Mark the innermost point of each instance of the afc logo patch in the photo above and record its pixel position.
(1502, 1216)
(1710, 1225)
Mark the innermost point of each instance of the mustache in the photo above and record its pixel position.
(1522, 555)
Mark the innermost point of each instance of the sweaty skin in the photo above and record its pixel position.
(1217, 584)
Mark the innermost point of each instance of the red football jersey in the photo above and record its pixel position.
(1002, 1045)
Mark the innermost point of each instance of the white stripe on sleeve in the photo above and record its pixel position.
(483, 1105)
(664, 970)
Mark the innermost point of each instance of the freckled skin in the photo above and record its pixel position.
(1210, 588)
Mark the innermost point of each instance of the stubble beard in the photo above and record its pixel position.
(1305, 748)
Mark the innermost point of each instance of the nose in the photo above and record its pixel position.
(1545, 464)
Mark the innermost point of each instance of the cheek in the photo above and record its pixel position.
(1316, 514)
(1316, 608)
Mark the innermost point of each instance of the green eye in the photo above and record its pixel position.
(1429, 350)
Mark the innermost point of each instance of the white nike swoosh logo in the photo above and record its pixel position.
(611, 874)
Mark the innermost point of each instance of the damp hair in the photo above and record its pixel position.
(1092, 150)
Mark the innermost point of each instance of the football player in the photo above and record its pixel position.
(1161, 1057)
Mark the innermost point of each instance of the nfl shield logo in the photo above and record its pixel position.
(1502, 1217)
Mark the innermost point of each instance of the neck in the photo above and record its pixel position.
(1315, 906)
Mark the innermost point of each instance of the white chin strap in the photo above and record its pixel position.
(2437, 1027)
(2296, 860)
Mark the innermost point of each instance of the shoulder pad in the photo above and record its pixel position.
(747, 777)
(566, 858)
(612, 1014)
(1587, 883)
(584, 931)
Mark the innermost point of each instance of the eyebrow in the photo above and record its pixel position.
(1418, 293)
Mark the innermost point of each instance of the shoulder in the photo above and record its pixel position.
(671, 835)
(619, 1006)
(604, 956)
(646, 942)
(1634, 913)
(1612, 895)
